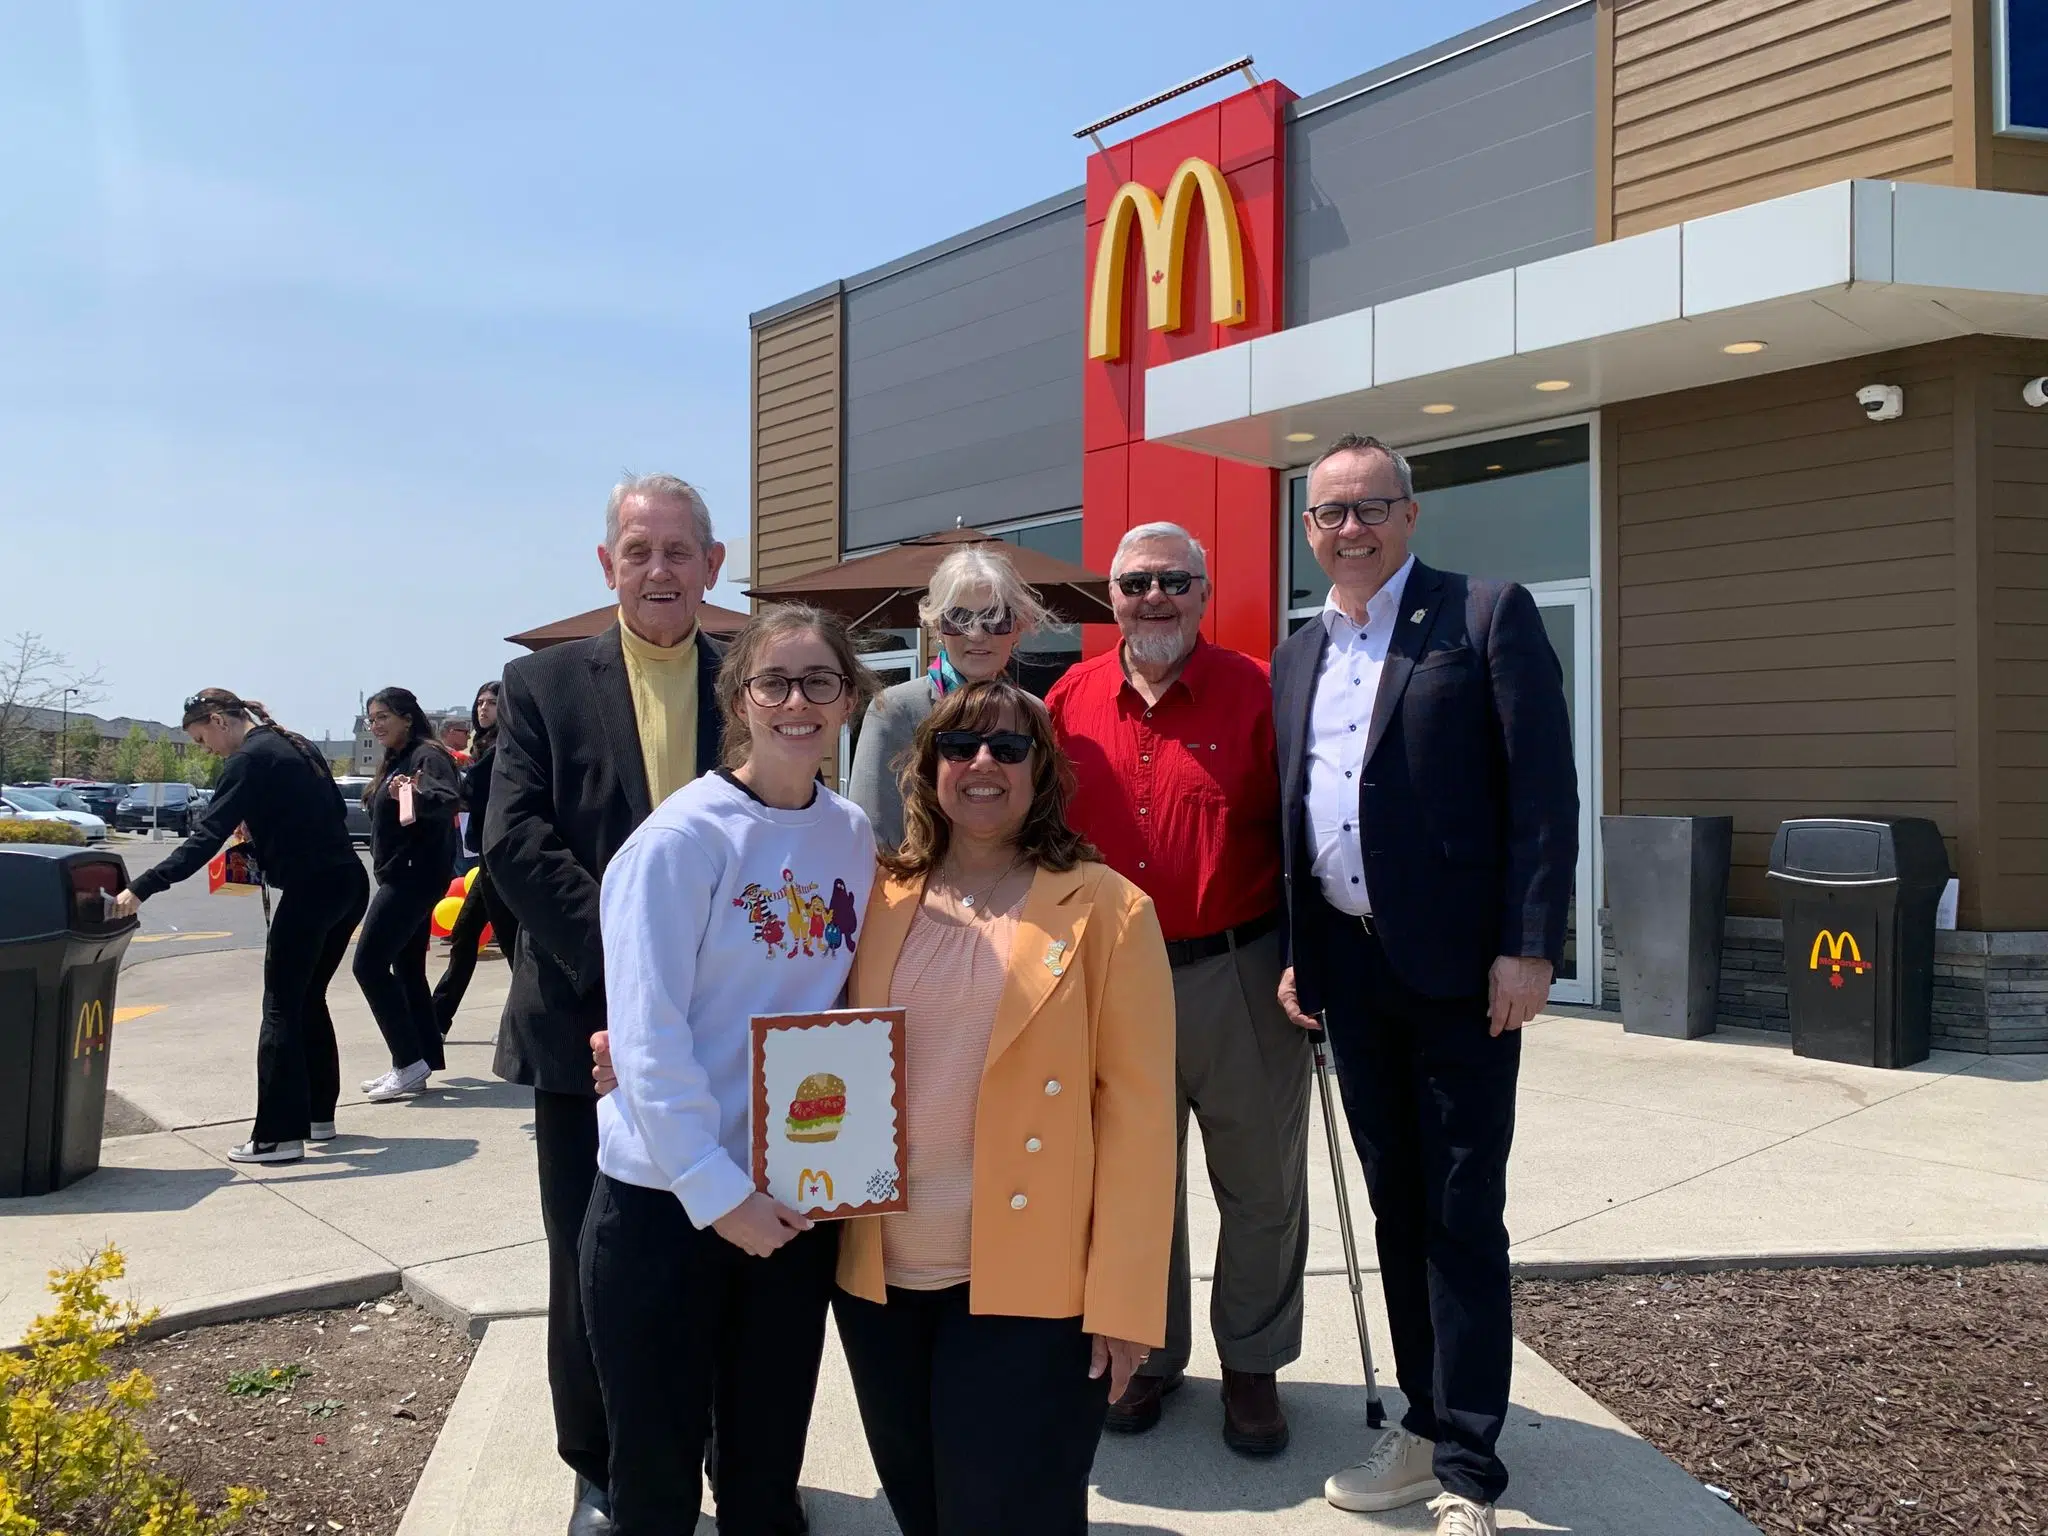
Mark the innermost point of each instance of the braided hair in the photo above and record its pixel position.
(208, 702)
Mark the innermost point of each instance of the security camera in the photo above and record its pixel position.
(1882, 402)
(2035, 393)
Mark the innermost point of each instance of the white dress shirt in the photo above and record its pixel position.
(1339, 721)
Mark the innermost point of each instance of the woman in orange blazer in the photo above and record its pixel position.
(989, 1326)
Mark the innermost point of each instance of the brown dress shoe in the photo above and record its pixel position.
(1138, 1409)
(1252, 1421)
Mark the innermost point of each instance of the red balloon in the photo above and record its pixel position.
(486, 937)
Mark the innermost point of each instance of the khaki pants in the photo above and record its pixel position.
(1244, 1072)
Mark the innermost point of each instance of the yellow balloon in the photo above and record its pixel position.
(446, 910)
(468, 880)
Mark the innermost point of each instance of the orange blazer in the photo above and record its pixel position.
(1074, 1125)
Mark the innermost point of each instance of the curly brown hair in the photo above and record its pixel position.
(772, 623)
(1045, 839)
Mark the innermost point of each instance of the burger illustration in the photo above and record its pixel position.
(817, 1109)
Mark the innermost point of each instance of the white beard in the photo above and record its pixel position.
(1159, 650)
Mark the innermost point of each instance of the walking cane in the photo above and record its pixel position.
(1375, 1414)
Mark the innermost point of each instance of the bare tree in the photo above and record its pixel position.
(36, 683)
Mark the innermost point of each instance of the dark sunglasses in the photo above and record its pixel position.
(1172, 583)
(1010, 747)
(957, 621)
(770, 689)
(1370, 512)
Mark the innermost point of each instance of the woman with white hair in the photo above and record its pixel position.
(978, 608)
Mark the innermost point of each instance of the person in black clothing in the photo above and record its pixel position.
(580, 763)
(481, 905)
(412, 804)
(278, 786)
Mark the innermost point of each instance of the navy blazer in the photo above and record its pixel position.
(568, 787)
(1469, 803)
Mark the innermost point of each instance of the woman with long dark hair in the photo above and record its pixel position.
(481, 905)
(278, 786)
(412, 803)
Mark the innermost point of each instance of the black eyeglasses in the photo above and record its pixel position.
(1371, 511)
(771, 689)
(1172, 583)
(965, 746)
(957, 621)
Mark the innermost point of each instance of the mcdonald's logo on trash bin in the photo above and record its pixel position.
(90, 1033)
(1835, 943)
(1163, 229)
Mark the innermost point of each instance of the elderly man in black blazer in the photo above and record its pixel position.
(1430, 822)
(592, 735)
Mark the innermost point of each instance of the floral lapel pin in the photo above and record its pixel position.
(1056, 957)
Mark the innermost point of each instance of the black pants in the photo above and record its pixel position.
(680, 1319)
(298, 1068)
(479, 908)
(391, 968)
(565, 1142)
(1431, 1100)
(980, 1425)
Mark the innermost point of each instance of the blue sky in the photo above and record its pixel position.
(324, 330)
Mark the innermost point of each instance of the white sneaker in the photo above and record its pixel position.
(267, 1152)
(400, 1085)
(369, 1083)
(1456, 1516)
(323, 1130)
(1397, 1472)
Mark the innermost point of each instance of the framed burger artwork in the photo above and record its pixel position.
(828, 1111)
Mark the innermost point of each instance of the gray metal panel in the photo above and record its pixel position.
(963, 381)
(1478, 162)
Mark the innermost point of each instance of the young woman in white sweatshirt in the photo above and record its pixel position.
(698, 1287)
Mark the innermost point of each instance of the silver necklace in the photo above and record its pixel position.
(970, 901)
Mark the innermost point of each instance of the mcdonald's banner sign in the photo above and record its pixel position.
(1843, 952)
(89, 1033)
(1185, 253)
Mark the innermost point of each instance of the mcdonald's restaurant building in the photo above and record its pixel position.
(1711, 321)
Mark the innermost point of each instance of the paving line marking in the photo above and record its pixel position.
(141, 1011)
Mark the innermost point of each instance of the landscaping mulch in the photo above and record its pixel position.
(1899, 1399)
(336, 1413)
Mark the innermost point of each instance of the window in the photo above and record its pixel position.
(1042, 659)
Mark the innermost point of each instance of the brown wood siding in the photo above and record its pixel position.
(1707, 105)
(797, 434)
(1785, 604)
(2015, 490)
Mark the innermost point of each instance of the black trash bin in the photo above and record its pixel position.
(60, 956)
(1858, 900)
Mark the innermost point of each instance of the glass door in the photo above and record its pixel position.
(1567, 612)
(891, 667)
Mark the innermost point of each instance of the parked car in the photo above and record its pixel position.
(351, 789)
(168, 806)
(31, 805)
(100, 799)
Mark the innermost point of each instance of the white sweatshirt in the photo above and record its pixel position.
(718, 908)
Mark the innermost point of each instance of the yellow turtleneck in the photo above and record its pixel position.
(663, 680)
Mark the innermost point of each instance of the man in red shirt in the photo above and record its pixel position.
(1172, 740)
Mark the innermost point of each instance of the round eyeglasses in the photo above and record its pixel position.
(1370, 512)
(771, 690)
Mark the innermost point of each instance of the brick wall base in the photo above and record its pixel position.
(1990, 989)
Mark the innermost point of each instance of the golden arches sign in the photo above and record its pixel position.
(1163, 225)
(1836, 944)
(90, 1032)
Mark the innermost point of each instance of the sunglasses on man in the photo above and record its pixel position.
(1172, 583)
(957, 621)
(1010, 747)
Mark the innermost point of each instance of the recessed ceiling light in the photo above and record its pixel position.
(1744, 348)
(1439, 409)
(1552, 386)
(1493, 469)
(1301, 437)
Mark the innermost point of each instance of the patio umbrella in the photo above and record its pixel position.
(882, 589)
(716, 621)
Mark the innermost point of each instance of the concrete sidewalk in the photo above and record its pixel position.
(1630, 1152)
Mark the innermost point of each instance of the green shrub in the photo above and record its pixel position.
(60, 833)
(72, 1458)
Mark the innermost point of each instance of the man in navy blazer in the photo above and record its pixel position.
(1430, 836)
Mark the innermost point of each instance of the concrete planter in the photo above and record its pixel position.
(1667, 886)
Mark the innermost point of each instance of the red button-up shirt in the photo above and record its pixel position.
(1182, 797)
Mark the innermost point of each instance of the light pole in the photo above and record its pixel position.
(64, 738)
